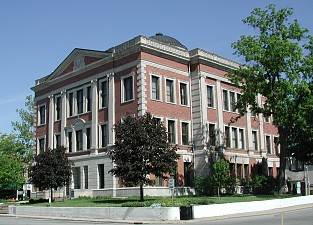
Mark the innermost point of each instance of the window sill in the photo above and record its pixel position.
(41, 125)
(128, 101)
(187, 106)
(210, 107)
(156, 100)
(172, 103)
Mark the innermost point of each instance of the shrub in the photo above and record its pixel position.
(263, 185)
(203, 186)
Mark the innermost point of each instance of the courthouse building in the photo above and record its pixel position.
(188, 90)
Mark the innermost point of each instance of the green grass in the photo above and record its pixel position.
(134, 202)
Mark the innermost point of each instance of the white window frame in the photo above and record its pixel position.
(257, 139)
(55, 139)
(244, 138)
(39, 115)
(100, 134)
(100, 81)
(38, 146)
(271, 143)
(86, 99)
(55, 107)
(176, 130)
(122, 88)
(174, 90)
(181, 132)
(84, 177)
(72, 91)
(238, 136)
(160, 87)
(208, 131)
(228, 99)
(278, 146)
(67, 142)
(188, 93)
(214, 95)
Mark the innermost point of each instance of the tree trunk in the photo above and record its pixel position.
(283, 135)
(218, 191)
(141, 192)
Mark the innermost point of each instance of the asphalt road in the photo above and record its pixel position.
(295, 217)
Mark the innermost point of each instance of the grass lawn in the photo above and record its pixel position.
(157, 201)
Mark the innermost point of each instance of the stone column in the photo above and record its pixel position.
(249, 145)
(111, 108)
(51, 122)
(219, 109)
(94, 112)
(261, 129)
(204, 109)
(63, 118)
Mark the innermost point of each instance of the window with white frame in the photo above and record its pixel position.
(100, 176)
(155, 88)
(42, 114)
(69, 141)
(255, 140)
(76, 177)
(241, 138)
(227, 136)
(71, 104)
(171, 131)
(58, 107)
(80, 101)
(79, 140)
(127, 89)
(210, 96)
(170, 94)
(234, 136)
(85, 177)
(104, 135)
(185, 133)
(104, 93)
(88, 99)
(41, 145)
(225, 100)
(57, 140)
(268, 144)
(212, 134)
(232, 98)
(276, 145)
(183, 90)
(88, 137)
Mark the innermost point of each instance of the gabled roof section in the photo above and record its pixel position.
(77, 59)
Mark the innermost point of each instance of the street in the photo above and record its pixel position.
(295, 217)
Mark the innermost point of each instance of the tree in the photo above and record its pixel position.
(11, 167)
(141, 148)
(278, 66)
(220, 175)
(24, 129)
(51, 170)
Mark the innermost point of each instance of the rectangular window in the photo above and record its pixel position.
(128, 89)
(57, 140)
(241, 139)
(212, 136)
(76, 177)
(104, 94)
(41, 143)
(183, 94)
(171, 131)
(58, 108)
(225, 100)
(185, 133)
(89, 99)
(80, 101)
(42, 114)
(69, 141)
(70, 104)
(86, 177)
(155, 89)
(210, 96)
(101, 176)
(88, 135)
(227, 136)
(170, 91)
(79, 140)
(104, 135)
(232, 101)
(276, 143)
(268, 144)
(234, 137)
(255, 140)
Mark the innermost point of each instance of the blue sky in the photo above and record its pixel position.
(35, 36)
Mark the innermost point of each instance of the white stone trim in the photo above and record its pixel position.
(165, 67)
(100, 81)
(51, 122)
(122, 88)
(174, 90)
(141, 89)
(188, 92)
(38, 115)
(160, 87)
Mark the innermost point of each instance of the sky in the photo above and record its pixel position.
(36, 36)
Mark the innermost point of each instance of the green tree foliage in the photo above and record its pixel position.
(24, 129)
(51, 170)
(141, 149)
(11, 167)
(278, 65)
(220, 177)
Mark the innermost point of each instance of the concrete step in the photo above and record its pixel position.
(4, 209)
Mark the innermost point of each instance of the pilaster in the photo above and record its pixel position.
(111, 108)
(141, 89)
(94, 113)
(219, 107)
(261, 128)
(51, 122)
(63, 118)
